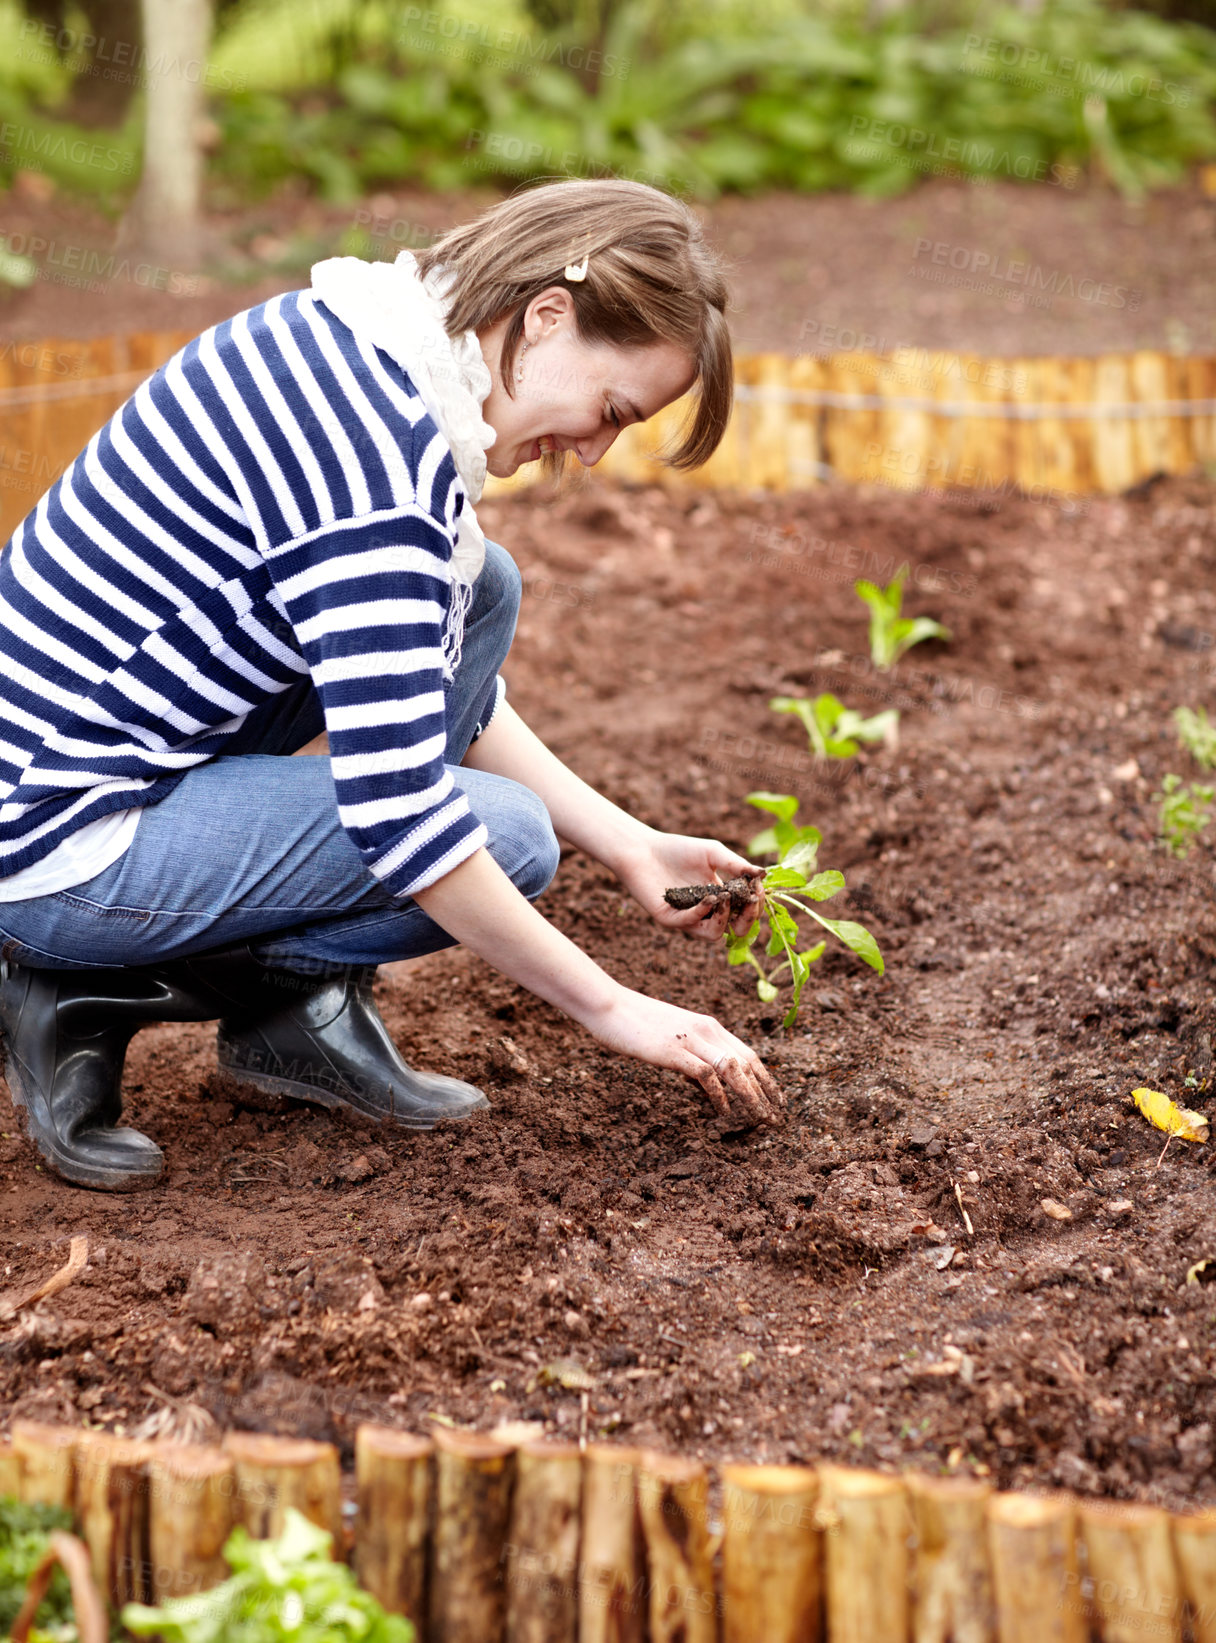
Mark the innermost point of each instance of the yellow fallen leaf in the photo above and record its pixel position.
(1166, 1115)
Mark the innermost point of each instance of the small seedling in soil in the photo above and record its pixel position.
(1184, 812)
(1197, 736)
(835, 731)
(782, 890)
(890, 633)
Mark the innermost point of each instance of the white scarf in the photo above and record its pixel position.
(389, 306)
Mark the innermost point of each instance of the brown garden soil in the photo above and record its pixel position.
(1001, 269)
(599, 1253)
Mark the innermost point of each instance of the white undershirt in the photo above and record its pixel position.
(81, 856)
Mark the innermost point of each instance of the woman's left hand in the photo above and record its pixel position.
(667, 860)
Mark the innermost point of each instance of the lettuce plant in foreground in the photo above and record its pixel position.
(787, 889)
(279, 1590)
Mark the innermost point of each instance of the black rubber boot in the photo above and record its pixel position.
(321, 1039)
(65, 1039)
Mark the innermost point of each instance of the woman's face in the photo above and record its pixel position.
(573, 395)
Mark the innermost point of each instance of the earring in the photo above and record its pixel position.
(519, 363)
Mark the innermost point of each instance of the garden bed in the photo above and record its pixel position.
(599, 1254)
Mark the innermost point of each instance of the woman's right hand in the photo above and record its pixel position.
(477, 905)
(731, 1074)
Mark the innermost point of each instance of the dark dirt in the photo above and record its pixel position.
(998, 270)
(599, 1253)
(739, 892)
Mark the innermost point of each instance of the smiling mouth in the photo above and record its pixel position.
(545, 446)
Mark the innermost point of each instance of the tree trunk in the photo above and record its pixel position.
(165, 223)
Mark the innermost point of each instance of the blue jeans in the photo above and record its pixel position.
(248, 848)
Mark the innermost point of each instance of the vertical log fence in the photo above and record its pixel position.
(915, 419)
(482, 1540)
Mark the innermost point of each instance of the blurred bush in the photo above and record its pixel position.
(723, 95)
(699, 96)
(36, 81)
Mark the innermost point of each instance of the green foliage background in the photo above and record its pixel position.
(697, 95)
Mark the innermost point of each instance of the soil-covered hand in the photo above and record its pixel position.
(672, 859)
(731, 1074)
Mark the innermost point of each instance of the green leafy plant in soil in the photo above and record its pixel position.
(280, 1591)
(1197, 735)
(834, 730)
(789, 888)
(25, 1532)
(18, 273)
(892, 634)
(1185, 808)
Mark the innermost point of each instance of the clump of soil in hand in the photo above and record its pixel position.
(740, 892)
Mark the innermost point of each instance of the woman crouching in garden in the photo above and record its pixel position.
(275, 537)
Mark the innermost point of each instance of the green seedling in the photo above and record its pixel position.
(836, 731)
(17, 272)
(1184, 813)
(1197, 736)
(788, 888)
(890, 633)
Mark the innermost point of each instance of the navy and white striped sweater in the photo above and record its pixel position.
(275, 502)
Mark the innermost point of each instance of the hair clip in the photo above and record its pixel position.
(576, 272)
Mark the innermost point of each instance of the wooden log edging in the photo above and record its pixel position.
(478, 1537)
(915, 419)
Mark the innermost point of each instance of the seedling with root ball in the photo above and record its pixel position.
(786, 890)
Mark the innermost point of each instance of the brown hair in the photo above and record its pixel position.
(650, 277)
